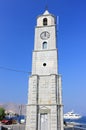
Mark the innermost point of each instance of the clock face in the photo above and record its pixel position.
(45, 35)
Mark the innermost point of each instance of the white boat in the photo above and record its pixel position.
(72, 115)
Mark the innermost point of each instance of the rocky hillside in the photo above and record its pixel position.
(15, 108)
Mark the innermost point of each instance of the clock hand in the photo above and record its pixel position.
(45, 34)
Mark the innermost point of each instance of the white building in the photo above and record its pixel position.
(44, 108)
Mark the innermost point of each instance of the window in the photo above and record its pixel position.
(45, 21)
(44, 45)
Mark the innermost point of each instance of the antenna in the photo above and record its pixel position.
(46, 3)
(46, 7)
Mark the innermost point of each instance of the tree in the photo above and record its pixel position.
(2, 113)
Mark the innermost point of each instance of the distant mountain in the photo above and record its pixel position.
(15, 108)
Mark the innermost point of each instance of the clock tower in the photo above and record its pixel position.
(44, 108)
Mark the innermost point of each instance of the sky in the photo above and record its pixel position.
(17, 24)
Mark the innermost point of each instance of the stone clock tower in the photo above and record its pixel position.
(44, 108)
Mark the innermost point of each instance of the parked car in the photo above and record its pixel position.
(6, 121)
(21, 119)
(14, 121)
(9, 121)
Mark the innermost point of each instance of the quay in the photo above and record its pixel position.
(69, 126)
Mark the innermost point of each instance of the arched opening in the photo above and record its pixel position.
(44, 46)
(45, 21)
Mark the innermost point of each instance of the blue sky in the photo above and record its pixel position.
(17, 23)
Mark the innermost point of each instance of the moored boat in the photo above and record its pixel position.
(72, 115)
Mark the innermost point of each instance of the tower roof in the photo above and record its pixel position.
(46, 12)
